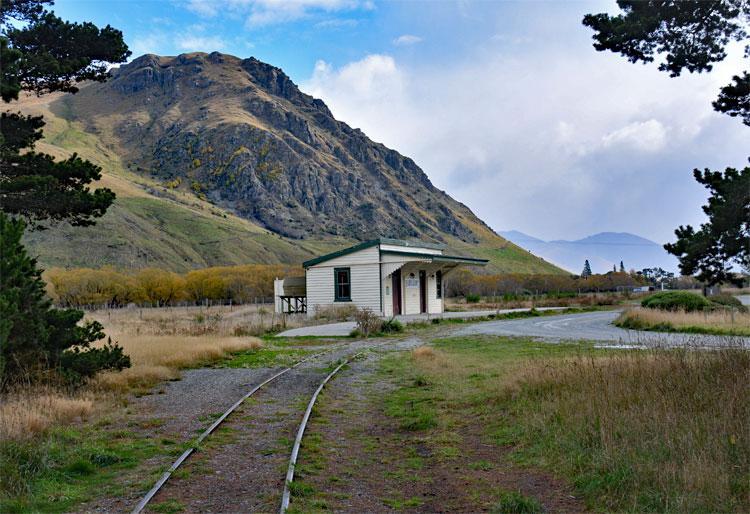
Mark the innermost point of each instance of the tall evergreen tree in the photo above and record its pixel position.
(40, 53)
(622, 267)
(689, 35)
(724, 240)
(586, 273)
(34, 336)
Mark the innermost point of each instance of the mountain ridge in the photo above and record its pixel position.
(237, 138)
(603, 251)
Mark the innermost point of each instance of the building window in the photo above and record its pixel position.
(439, 283)
(342, 284)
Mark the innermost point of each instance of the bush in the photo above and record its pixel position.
(367, 322)
(727, 300)
(676, 300)
(392, 326)
(473, 298)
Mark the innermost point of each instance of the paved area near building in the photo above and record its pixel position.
(344, 328)
(590, 326)
(594, 326)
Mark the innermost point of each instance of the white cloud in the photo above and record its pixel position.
(194, 43)
(646, 136)
(407, 40)
(203, 7)
(336, 24)
(269, 12)
(560, 143)
(152, 43)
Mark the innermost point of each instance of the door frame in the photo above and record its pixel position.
(422, 291)
(396, 293)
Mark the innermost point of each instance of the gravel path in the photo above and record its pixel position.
(593, 326)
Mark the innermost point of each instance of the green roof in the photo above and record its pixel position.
(396, 242)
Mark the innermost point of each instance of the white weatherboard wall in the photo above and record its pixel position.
(365, 280)
(434, 304)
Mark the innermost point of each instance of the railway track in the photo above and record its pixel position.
(160, 483)
(286, 495)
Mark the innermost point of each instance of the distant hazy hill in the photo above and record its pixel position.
(221, 160)
(603, 250)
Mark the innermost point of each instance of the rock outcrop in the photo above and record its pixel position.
(239, 133)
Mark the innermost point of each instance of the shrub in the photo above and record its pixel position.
(392, 326)
(473, 298)
(676, 300)
(367, 322)
(727, 300)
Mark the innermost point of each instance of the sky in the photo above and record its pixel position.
(505, 105)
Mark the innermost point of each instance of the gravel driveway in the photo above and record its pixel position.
(593, 326)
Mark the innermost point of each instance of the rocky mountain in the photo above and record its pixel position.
(235, 139)
(603, 250)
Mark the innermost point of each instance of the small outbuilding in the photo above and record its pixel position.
(391, 277)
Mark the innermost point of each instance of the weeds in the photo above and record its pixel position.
(514, 502)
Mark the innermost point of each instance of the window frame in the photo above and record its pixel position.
(439, 284)
(336, 296)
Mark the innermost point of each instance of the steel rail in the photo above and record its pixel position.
(286, 495)
(177, 463)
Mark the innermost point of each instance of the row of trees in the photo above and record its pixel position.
(587, 268)
(107, 286)
(463, 282)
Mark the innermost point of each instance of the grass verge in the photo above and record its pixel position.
(69, 465)
(722, 322)
(649, 430)
(58, 448)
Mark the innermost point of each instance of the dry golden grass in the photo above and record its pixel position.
(721, 321)
(158, 358)
(221, 320)
(670, 424)
(27, 414)
(423, 353)
(154, 359)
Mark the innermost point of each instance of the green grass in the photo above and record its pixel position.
(265, 358)
(69, 466)
(513, 502)
(168, 507)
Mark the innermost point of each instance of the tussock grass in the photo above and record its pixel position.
(423, 353)
(718, 321)
(661, 430)
(24, 415)
(158, 358)
(657, 430)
